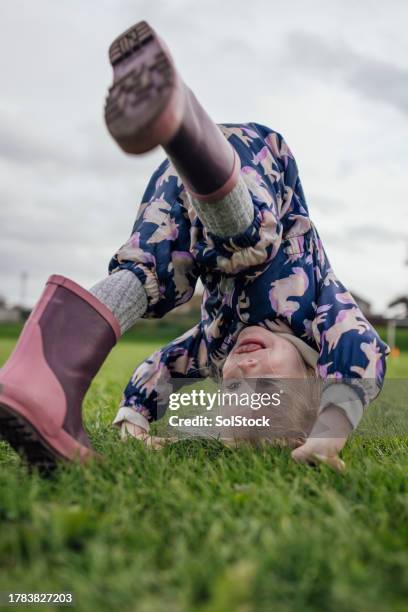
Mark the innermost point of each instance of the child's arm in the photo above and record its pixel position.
(351, 364)
(146, 395)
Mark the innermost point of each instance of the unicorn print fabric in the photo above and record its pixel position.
(276, 275)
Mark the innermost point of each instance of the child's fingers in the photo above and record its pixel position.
(157, 443)
(334, 462)
(154, 442)
(300, 455)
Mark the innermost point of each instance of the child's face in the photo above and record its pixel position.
(259, 352)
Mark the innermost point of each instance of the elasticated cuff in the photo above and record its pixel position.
(254, 247)
(344, 397)
(148, 279)
(128, 414)
(248, 238)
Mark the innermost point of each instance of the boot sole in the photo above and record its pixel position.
(26, 440)
(32, 445)
(137, 112)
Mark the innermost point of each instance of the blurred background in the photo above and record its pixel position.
(331, 77)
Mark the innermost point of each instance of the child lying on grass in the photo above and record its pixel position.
(226, 206)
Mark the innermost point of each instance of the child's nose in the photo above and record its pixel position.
(246, 365)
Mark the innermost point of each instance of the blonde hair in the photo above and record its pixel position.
(290, 422)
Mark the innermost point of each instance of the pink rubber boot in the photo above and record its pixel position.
(61, 348)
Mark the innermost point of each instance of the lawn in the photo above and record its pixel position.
(198, 527)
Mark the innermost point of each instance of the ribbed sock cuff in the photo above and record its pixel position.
(229, 216)
(124, 295)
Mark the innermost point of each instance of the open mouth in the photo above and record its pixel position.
(249, 346)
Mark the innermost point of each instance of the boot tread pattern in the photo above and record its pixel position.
(25, 440)
(143, 81)
(138, 86)
(134, 38)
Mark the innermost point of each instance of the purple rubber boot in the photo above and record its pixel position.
(149, 105)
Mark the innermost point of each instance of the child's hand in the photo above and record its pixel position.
(321, 450)
(128, 430)
(326, 440)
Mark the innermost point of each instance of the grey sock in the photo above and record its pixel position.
(124, 295)
(229, 216)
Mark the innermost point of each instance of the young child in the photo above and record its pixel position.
(226, 206)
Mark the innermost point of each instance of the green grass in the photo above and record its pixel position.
(197, 527)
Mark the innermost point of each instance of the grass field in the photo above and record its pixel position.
(198, 527)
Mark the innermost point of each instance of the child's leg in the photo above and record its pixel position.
(149, 105)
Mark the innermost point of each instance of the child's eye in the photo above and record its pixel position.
(266, 383)
(234, 385)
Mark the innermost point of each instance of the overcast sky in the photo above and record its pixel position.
(332, 77)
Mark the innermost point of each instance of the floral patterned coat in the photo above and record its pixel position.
(276, 274)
